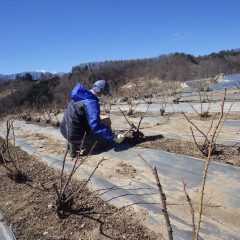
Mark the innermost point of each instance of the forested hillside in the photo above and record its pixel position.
(171, 67)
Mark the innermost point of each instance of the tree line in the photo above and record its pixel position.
(167, 68)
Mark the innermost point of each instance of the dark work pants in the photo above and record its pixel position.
(88, 143)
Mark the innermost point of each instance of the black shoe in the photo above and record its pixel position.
(73, 155)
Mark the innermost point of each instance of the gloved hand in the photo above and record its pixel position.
(119, 138)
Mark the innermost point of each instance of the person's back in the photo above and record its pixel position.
(82, 117)
(74, 124)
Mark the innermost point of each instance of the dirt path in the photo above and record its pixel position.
(225, 154)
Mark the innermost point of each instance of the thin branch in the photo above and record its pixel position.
(202, 191)
(219, 120)
(139, 123)
(145, 161)
(164, 205)
(4, 164)
(210, 150)
(194, 125)
(14, 146)
(75, 166)
(200, 97)
(63, 166)
(200, 149)
(222, 123)
(191, 208)
(162, 198)
(9, 123)
(57, 192)
(125, 116)
(193, 108)
(79, 189)
(210, 128)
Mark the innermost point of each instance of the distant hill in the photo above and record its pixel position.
(177, 67)
(36, 75)
(3, 77)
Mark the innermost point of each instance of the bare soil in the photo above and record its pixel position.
(126, 169)
(225, 154)
(29, 208)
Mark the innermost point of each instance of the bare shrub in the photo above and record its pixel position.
(46, 115)
(162, 99)
(132, 105)
(11, 164)
(107, 106)
(64, 191)
(135, 130)
(207, 149)
(203, 98)
(210, 137)
(176, 97)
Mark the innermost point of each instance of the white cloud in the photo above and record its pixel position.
(179, 35)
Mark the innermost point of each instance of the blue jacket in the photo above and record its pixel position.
(83, 115)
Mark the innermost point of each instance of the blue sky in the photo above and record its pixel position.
(57, 34)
